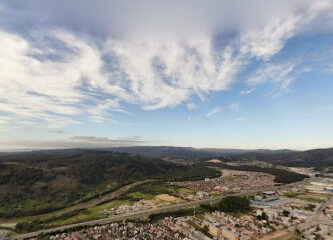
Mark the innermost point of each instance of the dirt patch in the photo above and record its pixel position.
(214, 160)
(281, 235)
(167, 198)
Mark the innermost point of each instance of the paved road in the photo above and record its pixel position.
(145, 213)
(3, 235)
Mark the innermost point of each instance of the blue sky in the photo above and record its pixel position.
(222, 74)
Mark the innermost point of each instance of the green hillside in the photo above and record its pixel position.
(39, 182)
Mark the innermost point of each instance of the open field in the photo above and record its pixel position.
(149, 190)
(87, 214)
(167, 198)
(308, 196)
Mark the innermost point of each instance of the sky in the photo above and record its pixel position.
(206, 74)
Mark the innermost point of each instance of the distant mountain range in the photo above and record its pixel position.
(188, 153)
(311, 158)
(318, 158)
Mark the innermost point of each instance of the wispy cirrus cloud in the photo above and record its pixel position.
(73, 142)
(248, 91)
(282, 74)
(213, 112)
(127, 140)
(91, 64)
(234, 107)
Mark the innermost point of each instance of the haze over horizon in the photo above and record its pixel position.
(217, 74)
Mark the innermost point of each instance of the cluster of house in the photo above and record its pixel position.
(321, 187)
(117, 231)
(272, 213)
(136, 206)
(281, 212)
(307, 216)
(194, 197)
(321, 231)
(218, 225)
(235, 182)
(328, 212)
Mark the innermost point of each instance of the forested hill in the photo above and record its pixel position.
(318, 158)
(52, 179)
(311, 158)
(188, 153)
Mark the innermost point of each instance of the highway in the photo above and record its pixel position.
(146, 213)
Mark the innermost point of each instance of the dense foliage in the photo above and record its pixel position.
(319, 158)
(229, 204)
(281, 176)
(33, 183)
(234, 204)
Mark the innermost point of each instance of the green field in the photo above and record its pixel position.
(306, 196)
(149, 190)
(146, 191)
(88, 214)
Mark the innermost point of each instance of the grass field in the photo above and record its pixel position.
(89, 211)
(306, 196)
(88, 214)
(149, 190)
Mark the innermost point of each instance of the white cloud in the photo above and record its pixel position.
(191, 106)
(324, 110)
(234, 107)
(213, 112)
(72, 142)
(240, 119)
(166, 73)
(246, 92)
(155, 57)
(282, 74)
(33, 86)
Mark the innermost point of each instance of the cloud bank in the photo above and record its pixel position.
(63, 60)
(73, 142)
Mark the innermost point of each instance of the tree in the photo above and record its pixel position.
(205, 230)
(234, 204)
(285, 213)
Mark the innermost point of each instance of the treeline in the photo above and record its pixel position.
(318, 158)
(281, 176)
(31, 226)
(229, 204)
(36, 183)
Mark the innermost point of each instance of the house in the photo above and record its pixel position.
(213, 230)
(196, 235)
(272, 214)
(228, 234)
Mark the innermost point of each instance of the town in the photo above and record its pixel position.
(303, 211)
(166, 120)
(229, 182)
